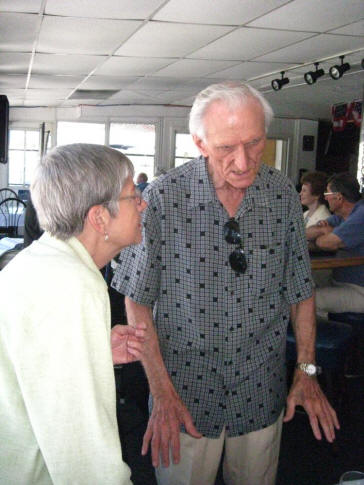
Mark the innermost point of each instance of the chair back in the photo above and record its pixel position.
(6, 193)
(6, 257)
(11, 212)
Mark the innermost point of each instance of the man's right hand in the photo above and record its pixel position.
(164, 425)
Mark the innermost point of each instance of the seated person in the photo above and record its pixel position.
(58, 419)
(312, 196)
(344, 232)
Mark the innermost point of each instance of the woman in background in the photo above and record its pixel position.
(57, 401)
(312, 196)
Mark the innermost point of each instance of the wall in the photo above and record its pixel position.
(168, 120)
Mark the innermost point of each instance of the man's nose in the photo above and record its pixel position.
(241, 158)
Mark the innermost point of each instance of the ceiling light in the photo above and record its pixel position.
(312, 76)
(278, 83)
(337, 71)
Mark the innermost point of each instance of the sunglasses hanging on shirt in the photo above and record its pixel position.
(232, 235)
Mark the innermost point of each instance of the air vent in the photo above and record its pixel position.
(93, 93)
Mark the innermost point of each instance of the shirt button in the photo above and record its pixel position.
(232, 293)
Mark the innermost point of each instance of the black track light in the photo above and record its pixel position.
(278, 83)
(362, 63)
(337, 71)
(312, 76)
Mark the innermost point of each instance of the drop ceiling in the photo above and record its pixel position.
(153, 52)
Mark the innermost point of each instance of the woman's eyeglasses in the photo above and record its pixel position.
(232, 235)
(137, 197)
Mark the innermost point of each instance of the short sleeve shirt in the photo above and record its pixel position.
(351, 232)
(222, 334)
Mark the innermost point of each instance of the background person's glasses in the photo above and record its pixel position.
(232, 235)
(330, 193)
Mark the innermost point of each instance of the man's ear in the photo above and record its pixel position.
(98, 217)
(200, 145)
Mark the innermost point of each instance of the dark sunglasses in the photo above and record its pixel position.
(232, 235)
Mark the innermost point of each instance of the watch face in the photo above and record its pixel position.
(311, 369)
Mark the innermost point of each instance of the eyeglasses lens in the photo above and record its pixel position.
(232, 235)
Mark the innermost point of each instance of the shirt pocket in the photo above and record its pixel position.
(265, 269)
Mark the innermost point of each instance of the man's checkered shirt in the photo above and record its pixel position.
(222, 334)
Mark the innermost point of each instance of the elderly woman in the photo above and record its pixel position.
(57, 399)
(312, 196)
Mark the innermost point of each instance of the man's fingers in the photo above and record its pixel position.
(146, 439)
(290, 410)
(189, 425)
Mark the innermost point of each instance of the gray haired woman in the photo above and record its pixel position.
(57, 400)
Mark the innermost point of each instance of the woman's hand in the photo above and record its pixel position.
(127, 343)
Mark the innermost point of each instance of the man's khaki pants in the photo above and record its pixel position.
(251, 459)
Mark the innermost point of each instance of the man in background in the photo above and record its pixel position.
(342, 232)
(142, 181)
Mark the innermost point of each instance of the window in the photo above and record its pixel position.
(74, 132)
(137, 142)
(23, 155)
(185, 149)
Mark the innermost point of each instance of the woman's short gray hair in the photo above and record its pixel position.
(71, 179)
(234, 94)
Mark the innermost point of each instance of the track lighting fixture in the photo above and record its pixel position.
(312, 76)
(278, 83)
(362, 63)
(337, 71)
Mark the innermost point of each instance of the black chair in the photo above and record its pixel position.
(6, 257)
(356, 355)
(6, 193)
(11, 212)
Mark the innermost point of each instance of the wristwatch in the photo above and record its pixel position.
(309, 368)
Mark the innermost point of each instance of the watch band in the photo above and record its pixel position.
(309, 368)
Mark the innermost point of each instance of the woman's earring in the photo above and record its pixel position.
(106, 236)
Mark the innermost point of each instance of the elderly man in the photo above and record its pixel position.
(223, 263)
(344, 232)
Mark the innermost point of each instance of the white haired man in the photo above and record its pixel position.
(223, 264)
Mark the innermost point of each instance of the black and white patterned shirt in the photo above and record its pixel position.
(222, 335)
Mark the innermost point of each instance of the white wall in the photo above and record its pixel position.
(167, 120)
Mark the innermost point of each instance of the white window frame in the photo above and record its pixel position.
(24, 129)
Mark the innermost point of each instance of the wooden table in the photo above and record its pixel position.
(329, 262)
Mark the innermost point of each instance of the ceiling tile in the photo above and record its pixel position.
(13, 38)
(25, 6)
(83, 36)
(110, 9)
(158, 84)
(321, 46)
(158, 39)
(248, 70)
(312, 15)
(12, 81)
(234, 12)
(47, 93)
(131, 66)
(193, 67)
(357, 28)
(246, 43)
(14, 62)
(54, 81)
(65, 64)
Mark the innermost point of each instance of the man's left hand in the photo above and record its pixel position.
(127, 343)
(306, 392)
